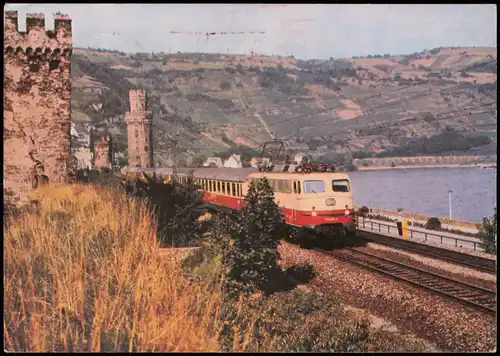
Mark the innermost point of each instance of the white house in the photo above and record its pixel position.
(83, 157)
(233, 162)
(298, 158)
(81, 133)
(213, 162)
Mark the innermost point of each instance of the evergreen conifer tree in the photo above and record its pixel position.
(254, 252)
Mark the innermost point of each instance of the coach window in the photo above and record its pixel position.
(340, 185)
(314, 186)
(218, 186)
(295, 187)
(298, 187)
(284, 186)
(233, 189)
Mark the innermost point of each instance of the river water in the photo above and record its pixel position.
(425, 191)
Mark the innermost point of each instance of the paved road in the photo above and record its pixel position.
(420, 234)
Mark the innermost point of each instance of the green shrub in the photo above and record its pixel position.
(433, 224)
(488, 233)
(177, 208)
(204, 263)
(302, 273)
(225, 85)
(363, 211)
(103, 178)
(306, 322)
(294, 321)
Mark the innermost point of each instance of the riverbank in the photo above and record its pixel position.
(451, 224)
(373, 168)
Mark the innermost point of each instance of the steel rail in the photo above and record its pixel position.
(460, 258)
(468, 294)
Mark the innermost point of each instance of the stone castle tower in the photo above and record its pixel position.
(103, 154)
(139, 131)
(37, 104)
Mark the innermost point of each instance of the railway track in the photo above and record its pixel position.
(464, 259)
(477, 297)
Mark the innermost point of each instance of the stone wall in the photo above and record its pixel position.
(37, 106)
(139, 131)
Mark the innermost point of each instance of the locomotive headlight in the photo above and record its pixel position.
(330, 202)
(347, 212)
(313, 213)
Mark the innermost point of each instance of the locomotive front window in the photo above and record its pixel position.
(314, 186)
(340, 185)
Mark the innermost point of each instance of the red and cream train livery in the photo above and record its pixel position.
(319, 200)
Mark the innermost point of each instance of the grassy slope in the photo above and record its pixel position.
(93, 254)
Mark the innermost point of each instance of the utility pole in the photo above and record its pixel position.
(173, 149)
(449, 200)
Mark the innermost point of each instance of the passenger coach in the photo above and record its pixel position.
(318, 201)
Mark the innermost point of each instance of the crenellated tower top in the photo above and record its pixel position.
(36, 36)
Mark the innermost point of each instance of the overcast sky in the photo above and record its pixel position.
(306, 31)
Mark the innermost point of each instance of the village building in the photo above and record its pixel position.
(255, 162)
(83, 158)
(103, 153)
(214, 162)
(233, 162)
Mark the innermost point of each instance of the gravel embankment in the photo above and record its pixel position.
(450, 325)
(460, 273)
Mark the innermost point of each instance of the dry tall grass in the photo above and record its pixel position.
(83, 273)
